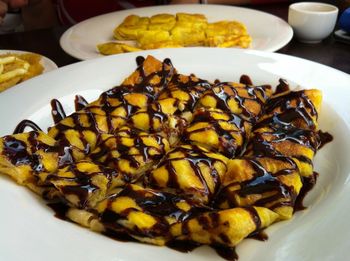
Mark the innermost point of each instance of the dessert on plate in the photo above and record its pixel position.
(167, 158)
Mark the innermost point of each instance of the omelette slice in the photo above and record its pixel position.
(227, 34)
(226, 28)
(226, 41)
(196, 21)
(162, 22)
(187, 35)
(130, 27)
(162, 44)
(149, 37)
(189, 29)
(116, 48)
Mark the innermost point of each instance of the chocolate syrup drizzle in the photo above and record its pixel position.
(24, 124)
(265, 181)
(110, 97)
(160, 205)
(228, 144)
(290, 124)
(19, 152)
(57, 111)
(82, 184)
(308, 184)
(323, 138)
(283, 86)
(304, 110)
(194, 87)
(245, 79)
(222, 92)
(113, 144)
(194, 155)
(80, 102)
(156, 116)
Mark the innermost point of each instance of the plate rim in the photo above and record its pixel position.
(48, 64)
(249, 52)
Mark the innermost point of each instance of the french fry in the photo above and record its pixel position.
(6, 60)
(11, 74)
(16, 68)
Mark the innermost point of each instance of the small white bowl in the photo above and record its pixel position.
(312, 22)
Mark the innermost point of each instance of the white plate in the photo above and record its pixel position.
(30, 232)
(269, 32)
(48, 64)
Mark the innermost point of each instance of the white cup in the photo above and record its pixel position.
(312, 22)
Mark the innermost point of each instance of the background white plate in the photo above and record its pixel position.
(48, 64)
(269, 32)
(30, 232)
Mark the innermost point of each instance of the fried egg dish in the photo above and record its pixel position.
(174, 31)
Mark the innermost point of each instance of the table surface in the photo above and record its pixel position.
(46, 42)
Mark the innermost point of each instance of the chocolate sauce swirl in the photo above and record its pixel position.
(119, 144)
(283, 86)
(224, 92)
(57, 111)
(25, 153)
(191, 85)
(324, 138)
(80, 102)
(265, 181)
(24, 124)
(81, 184)
(228, 146)
(245, 79)
(162, 206)
(289, 115)
(195, 156)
